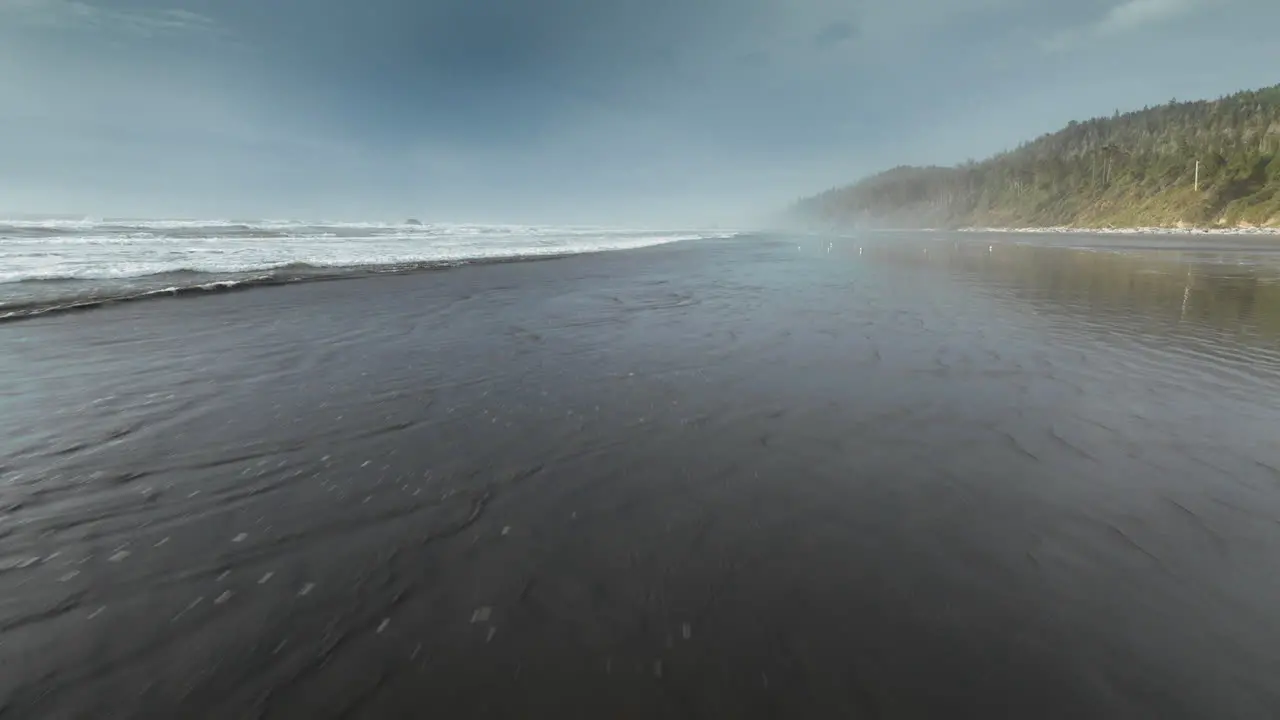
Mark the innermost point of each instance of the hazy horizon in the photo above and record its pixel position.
(388, 220)
(620, 113)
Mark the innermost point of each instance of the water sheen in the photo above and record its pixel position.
(893, 475)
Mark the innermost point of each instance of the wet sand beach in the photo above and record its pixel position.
(888, 476)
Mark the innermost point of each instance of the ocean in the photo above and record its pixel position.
(757, 475)
(62, 264)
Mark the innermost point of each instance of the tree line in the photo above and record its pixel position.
(1131, 169)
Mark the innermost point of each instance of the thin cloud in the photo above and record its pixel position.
(76, 14)
(753, 59)
(1062, 40)
(1139, 13)
(834, 34)
(1128, 16)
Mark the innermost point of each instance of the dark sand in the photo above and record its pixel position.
(753, 478)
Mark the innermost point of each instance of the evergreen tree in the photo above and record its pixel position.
(1128, 169)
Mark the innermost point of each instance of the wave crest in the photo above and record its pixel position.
(72, 264)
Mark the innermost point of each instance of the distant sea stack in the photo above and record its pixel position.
(413, 221)
(1202, 164)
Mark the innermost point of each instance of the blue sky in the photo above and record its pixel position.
(614, 111)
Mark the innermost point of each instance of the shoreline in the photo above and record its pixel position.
(271, 278)
(79, 265)
(1065, 230)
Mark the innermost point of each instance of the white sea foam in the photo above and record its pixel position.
(117, 249)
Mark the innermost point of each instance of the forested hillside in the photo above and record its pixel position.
(1135, 169)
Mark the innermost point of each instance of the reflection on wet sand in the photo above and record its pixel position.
(871, 477)
(1231, 300)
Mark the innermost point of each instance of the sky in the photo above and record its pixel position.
(634, 112)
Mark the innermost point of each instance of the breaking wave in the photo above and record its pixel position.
(58, 265)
